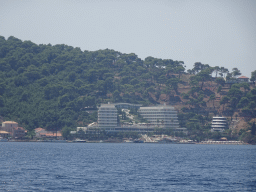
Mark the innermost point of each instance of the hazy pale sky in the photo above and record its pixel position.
(214, 32)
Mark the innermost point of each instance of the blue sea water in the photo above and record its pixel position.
(126, 167)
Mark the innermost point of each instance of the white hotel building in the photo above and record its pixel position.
(161, 116)
(107, 117)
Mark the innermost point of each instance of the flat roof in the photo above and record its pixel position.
(107, 105)
(158, 107)
(127, 104)
(13, 122)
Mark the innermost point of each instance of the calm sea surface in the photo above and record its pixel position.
(126, 167)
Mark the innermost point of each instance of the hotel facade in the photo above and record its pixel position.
(219, 124)
(161, 116)
(107, 117)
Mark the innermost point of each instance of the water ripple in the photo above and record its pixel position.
(126, 167)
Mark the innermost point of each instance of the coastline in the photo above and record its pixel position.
(100, 141)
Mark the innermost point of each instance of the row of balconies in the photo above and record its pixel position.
(218, 126)
(165, 110)
(165, 122)
(160, 117)
(112, 116)
(107, 122)
(101, 112)
(160, 113)
(108, 117)
(105, 110)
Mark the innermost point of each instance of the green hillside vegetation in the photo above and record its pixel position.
(55, 86)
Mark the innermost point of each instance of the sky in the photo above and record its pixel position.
(215, 32)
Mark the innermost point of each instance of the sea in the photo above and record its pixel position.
(35, 166)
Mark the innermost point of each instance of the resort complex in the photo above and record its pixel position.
(160, 116)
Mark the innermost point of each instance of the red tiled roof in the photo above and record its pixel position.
(43, 132)
(39, 129)
(21, 128)
(243, 77)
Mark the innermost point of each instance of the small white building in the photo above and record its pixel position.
(243, 79)
(219, 124)
(84, 129)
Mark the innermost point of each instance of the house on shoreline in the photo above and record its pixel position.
(41, 133)
(11, 128)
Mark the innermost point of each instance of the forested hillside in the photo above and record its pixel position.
(54, 86)
(51, 86)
